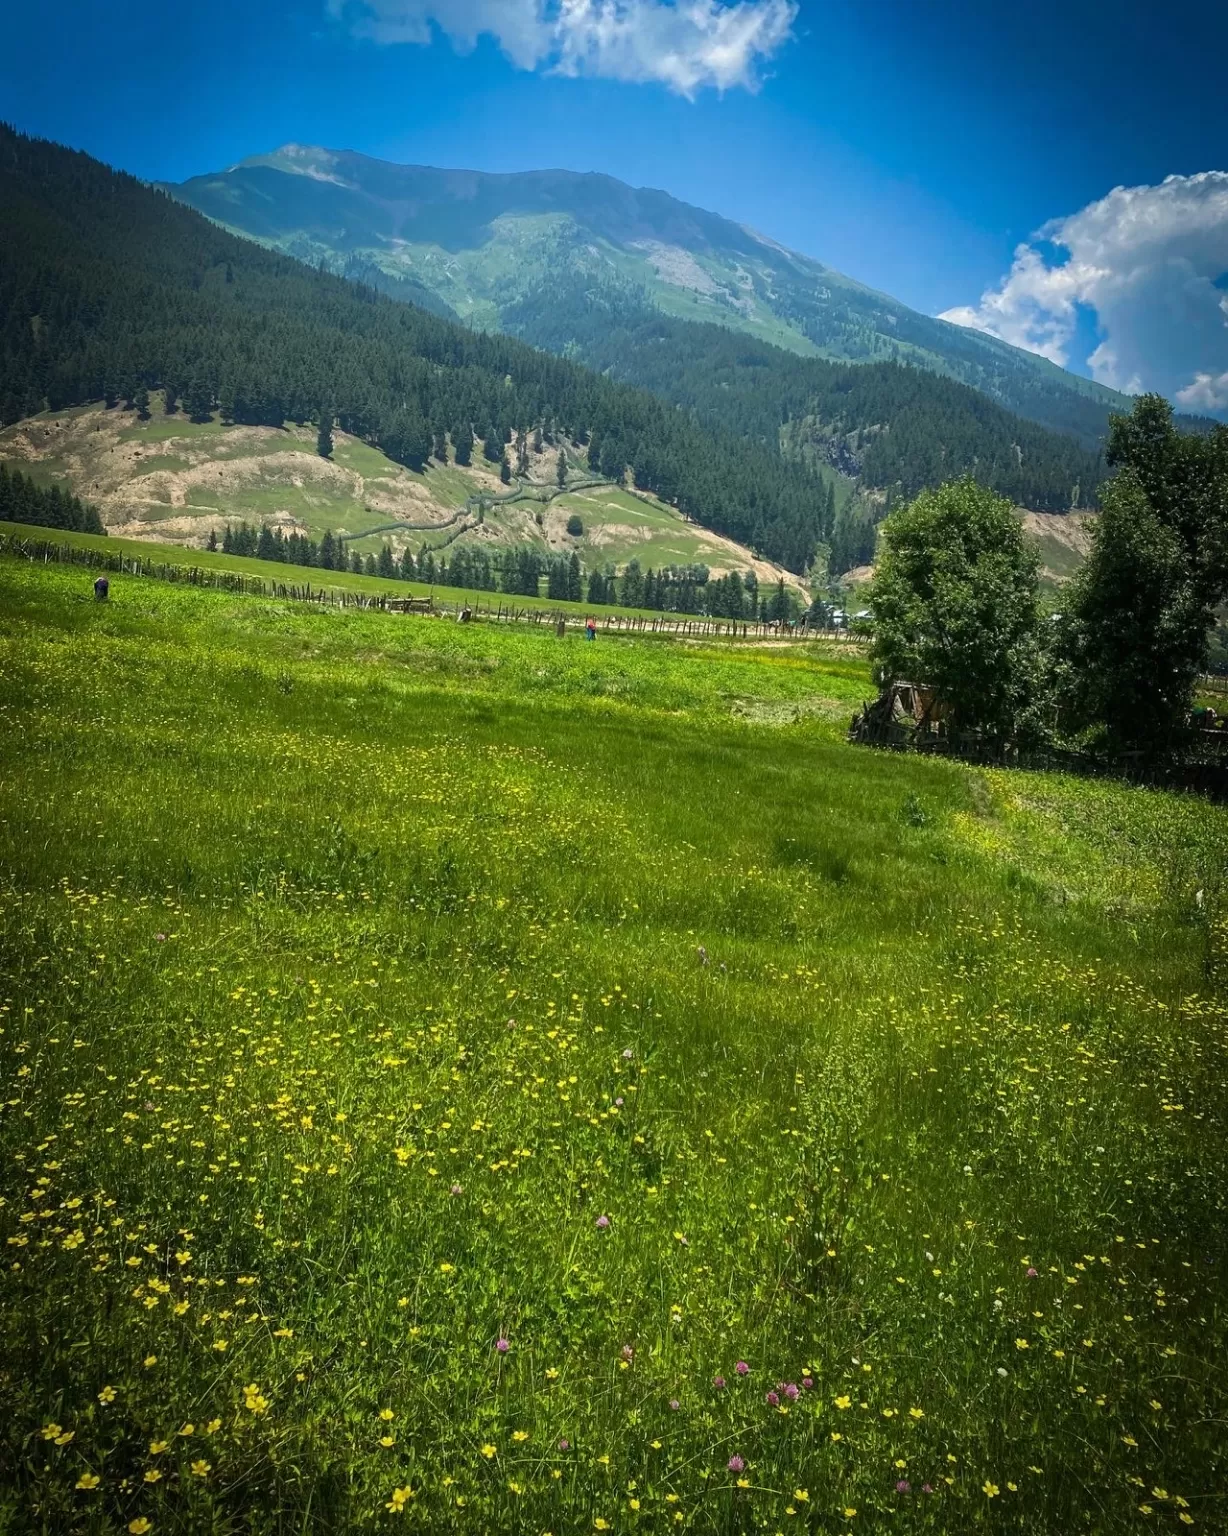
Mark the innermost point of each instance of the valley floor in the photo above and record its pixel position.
(457, 1079)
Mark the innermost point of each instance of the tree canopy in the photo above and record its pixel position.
(955, 604)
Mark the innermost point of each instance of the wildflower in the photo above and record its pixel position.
(773, 1399)
(387, 1441)
(802, 1494)
(843, 1401)
(150, 1361)
(107, 1395)
(990, 1490)
(502, 1346)
(66, 1438)
(50, 1431)
(903, 1486)
(400, 1497)
(628, 1054)
(139, 1526)
(88, 1480)
(1022, 1344)
(156, 1447)
(564, 1445)
(741, 1367)
(387, 1415)
(456, 1190)
(254, 1400)
(719, 1383)
(201, 1469)
(153, 1475)
(1031, 1272)
(520, 1435)
(488, 1451)
(602, 1223)
(674, 1404)
(916, 1413)
(736, 1464)
(807, 1382)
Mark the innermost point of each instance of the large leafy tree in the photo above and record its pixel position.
(955, 604)
(1141, 609)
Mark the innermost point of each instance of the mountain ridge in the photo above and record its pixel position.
(480, 240)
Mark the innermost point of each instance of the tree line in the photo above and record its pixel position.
(110, 289)
(22, 501)
(523, 571)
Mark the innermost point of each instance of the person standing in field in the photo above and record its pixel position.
(102, 589)
(590, 629)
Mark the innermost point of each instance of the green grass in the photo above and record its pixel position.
(355, 968)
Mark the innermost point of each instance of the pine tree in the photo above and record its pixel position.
(575, 588)
(384, 565)
(561, 473)
(324, 437)
(407, 564)
(462, 444)
(328, 551)
(212, 544)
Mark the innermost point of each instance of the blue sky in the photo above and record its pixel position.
(911, 145)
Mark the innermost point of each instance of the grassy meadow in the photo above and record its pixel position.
(460, 1080)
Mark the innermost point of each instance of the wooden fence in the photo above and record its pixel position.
(498, 609)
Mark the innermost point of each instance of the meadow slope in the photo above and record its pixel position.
(457, 1079)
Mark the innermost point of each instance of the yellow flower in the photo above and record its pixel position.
(50, 1431)
(844, 1402)
(634, 1503)
(520, 1434)
(201, 1469)
(600, 1524)
(212, 1427)
(153, 1475)
(283, 1333)
(88, 1480)
(849, 1513)
(150, 1360)
(139, 1526)
(1022, 1344)
(991, 1490)
(254, 1400)
(552, 1373)
(916, 1413)
(744, 1482)
(107, 1395)
(156, 1447)
(187, 1429)
(400, 1497)
(801, 1495)
(386, 1414)
(66, 1438)
(1185, 1518)
(488, 1451)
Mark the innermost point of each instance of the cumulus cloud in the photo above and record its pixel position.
(1152, 263)
(683, 44)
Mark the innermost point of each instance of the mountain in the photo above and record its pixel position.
(482, 244)
(109, 290)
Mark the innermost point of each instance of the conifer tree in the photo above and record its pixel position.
(324, 437)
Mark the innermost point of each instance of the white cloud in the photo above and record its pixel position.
(1152, 262)
(683, 44)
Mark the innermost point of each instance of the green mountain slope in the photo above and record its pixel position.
(109, 290)
(481, 243)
